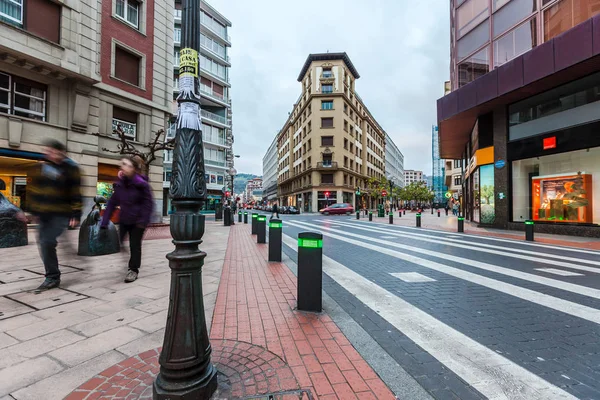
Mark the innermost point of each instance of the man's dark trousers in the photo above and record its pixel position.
(136, 234)
(51, 227)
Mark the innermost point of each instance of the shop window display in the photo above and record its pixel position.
(559, 188)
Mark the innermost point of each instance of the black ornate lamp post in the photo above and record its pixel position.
(186, 371)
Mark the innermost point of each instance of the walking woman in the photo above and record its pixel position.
(134, 197)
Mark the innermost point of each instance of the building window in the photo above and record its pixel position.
(457, 180)
(177, 35)
(327, 178)
(129, 11)
(346, 125)
(126, 121)
(326, 140)
(326, 122)
(457, 163)
(213, 67)
(327, 89)
(176, 58)
(515, 43)
(512, 13)
(327, 73)
(22, 97)
(327, 105)
(472, 68)
(474, 40)
(11, 11)
(566, 14)
(471, 14)
(127, 66)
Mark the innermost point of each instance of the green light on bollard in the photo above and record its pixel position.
(262, 218)
(461, 219)
(275, 225)
(246, 213)
(254, 215)
(310, 243)
(528, 222)
(419, 214)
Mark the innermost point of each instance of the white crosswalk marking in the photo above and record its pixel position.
(412, 277)
(558, 272)
(504, 252)
(568, 307)
(491, 374)
(388, 237)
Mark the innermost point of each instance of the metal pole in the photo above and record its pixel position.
(186, 370)
(529, 230)
(310, 271)
(275, 233)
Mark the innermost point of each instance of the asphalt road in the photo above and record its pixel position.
(466, 317)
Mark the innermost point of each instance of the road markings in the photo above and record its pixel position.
(496, 239)
(542, 280)
(504, 252)
(555, 303)
(388, 237)
(558, 272)
(491, 374)
(412, 277)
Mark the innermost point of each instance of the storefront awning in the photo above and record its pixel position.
(569, 56)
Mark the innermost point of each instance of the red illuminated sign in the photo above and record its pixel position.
(550, 143)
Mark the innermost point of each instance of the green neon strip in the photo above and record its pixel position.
(254, 215)
(310, 243)
(528, 222)
(245, 213)
(418, 215)
(461, 219)
(275, 225)
(261, 218)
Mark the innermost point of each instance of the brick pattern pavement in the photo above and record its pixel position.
(260, 343)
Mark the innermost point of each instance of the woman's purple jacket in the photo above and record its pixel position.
(135, 199)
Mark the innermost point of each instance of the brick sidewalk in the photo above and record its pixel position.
(260, 343)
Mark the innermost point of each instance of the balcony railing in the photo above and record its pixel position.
(214, 95)
(214, 162)
(327, 165)
(214, 117)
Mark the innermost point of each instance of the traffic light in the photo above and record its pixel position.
(326, 195)
(226, 194)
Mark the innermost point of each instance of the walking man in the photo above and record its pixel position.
(275, 210)
(54, 197)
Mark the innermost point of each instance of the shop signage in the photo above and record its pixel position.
(550, 143)
(501, 196)
(448, 195)
(500, 164)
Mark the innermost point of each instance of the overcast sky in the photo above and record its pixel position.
(399, 47)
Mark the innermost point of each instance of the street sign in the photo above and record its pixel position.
(500, 164)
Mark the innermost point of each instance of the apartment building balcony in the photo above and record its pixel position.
(327, 165)
(212, 117)
(213, 98)
(224, 37)
(215, 163)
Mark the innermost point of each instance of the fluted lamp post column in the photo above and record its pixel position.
(186, 371)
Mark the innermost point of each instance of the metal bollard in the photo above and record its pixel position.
(431, 210)
(400, 214)
(446, 212)
(275, 232)
(370, 216)
(358, 215)
(404, 212)
(418, 220)
(310, 271)
(366, 212)
(239, 217)
(245, 217)
(261, 229)
(227, 216)
(438, 213)
(391, 218)
(461, 225)
(254, 223)
(529, 230)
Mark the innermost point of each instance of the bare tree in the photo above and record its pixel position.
(148, 152)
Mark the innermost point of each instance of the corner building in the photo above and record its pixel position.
(330, 144)
(74, 68)
(523, 115)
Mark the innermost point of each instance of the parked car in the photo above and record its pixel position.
(338, 208)
(292, 210)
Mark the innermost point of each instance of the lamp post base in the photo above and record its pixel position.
(201, 388)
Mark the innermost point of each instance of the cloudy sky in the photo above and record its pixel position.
(399, 47)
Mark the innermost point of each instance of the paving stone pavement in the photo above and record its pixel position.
(261, 344)
(50, 343)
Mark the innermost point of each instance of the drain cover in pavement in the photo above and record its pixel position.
(302, 394)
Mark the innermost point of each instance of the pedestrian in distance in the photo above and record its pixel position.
(134, 197)
(54, 198)
(275, 210)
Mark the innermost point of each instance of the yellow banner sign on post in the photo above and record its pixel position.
(188, 63)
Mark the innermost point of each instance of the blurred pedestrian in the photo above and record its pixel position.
(134, 197)
(275, 210)
(54, 198)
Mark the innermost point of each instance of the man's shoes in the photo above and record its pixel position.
(131, 276)
(48, 284)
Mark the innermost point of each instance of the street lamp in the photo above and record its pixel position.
(186, 371)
